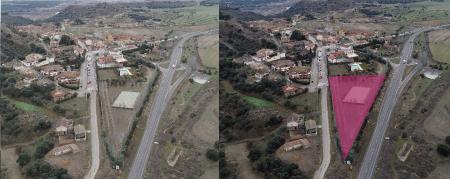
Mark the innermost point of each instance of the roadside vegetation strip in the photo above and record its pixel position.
(23, 105)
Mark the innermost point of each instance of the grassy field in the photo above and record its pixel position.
(440, 52)
(24, 106)
(209, 56)
(338, 69)
(309, 101)
(207, 128)
(437, 123)
(80, 106)
(107, 74)
(256, 102)
(440, 45)
(416, 90)
(193, 88)
(198, 15)
(419, 12)
(208, 50)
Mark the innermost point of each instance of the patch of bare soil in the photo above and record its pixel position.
(237, 155)
(439, 36)
(441, 172)
(307, 159)
(179, 131)
(438, 123)
(76, 164)
(207, 41)
(8, 162)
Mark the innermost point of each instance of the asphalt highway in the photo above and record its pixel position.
(91, 87)
(322, 83)
(162, 97)
(394, 89)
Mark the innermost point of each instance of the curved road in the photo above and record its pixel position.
(162, 97)
(394, 89)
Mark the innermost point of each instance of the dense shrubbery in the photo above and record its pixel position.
(43, 147)
(269, 165)
(298, 35)
(232, 103)
(41, 169)
(444, 149)
(66, 40)
(23, 159)
(37, 94)
(37, 49)
(212, 154)
(10, 123)
(236, 74)
(274, 144)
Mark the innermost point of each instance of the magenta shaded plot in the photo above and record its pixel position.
(353, 97)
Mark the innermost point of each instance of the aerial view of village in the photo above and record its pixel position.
(334, 89)
(239, 89)
(109, 89)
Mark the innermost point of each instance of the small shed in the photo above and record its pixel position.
(311, 127)
(296, 144)
(80, 132)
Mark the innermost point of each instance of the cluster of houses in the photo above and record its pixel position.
(45, 69)
(35, 68)
(299, 129)
(267, 61)
(68, 135)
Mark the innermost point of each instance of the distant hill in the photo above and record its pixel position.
(107, 9)
(307, 7)
(391, 1)
(242, 15)
(209, 2)
(78, 11)
(247, 3)
(15, 20)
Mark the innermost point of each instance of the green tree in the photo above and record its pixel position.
(23, 159)
(254, 154)
(212, 154)
(274, 144)
(298, 35)
(43, 147)
(443, 150)
(66, 40)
